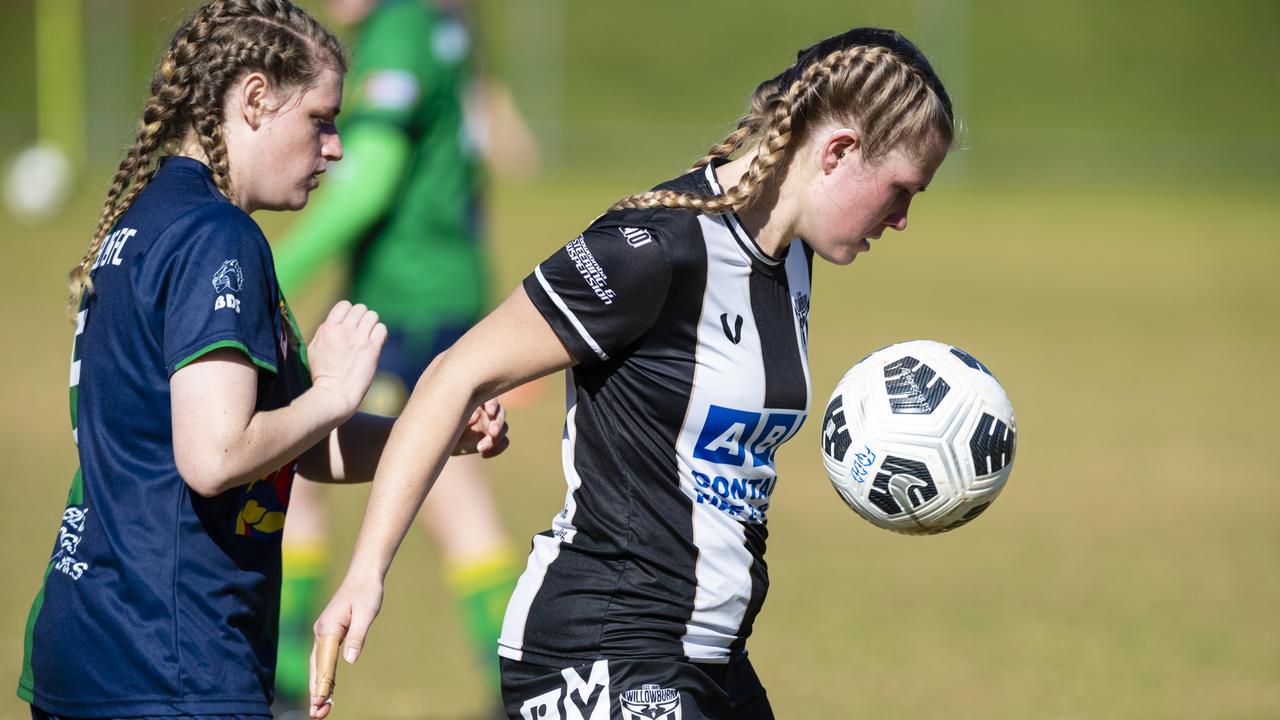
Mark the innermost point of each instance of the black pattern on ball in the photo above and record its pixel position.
(835, 434)
(913, 387)
(920, 487)
(970, 360)
(992, 445)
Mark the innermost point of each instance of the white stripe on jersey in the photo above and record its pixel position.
(577, 324)
(75, 365)
(730, 219)
(545, 549)
(723, 571)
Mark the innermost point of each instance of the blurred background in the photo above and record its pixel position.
(1104, 239)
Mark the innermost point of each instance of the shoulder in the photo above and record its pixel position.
(216, 222)
(677, 231)
(209, 238)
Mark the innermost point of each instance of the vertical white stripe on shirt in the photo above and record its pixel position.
(723, 570)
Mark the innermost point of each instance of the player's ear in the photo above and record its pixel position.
(840, 144)
(252, 95)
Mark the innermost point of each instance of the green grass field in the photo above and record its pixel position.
(1104, 242)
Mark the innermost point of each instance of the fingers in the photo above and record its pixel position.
(378, 336)
(324, 662)
(366, 322)
(361, 619)
(498, 446)
(339, 311)
(494, 428)
(498, 423)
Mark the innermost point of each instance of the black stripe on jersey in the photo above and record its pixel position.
(779, 347)
(755, 536)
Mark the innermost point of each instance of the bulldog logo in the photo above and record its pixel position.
(229, 278)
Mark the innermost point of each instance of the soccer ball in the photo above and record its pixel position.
(919, 437)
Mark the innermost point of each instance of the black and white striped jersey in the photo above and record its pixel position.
(692, 370)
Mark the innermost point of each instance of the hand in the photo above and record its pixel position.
(344, 354)
(486, 431)
(347, 617)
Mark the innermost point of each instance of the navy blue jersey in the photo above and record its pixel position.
(158, 601)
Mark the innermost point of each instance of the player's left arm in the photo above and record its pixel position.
(351, 452)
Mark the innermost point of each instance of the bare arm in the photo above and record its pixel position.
(220, 441)
(511, 346)
(351, 452)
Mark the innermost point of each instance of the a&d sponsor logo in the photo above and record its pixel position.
(740, 444)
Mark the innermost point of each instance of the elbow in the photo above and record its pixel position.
(206, 479)
(450, 369)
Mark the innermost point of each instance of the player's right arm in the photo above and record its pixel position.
(511, 346)
(220, 441)
(588, 302)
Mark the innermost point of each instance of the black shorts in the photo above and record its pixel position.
(634, 690)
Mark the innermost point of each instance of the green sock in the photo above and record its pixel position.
(482, 586)
(302, 578)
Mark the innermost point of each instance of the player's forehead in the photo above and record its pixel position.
(325, 94)
(913, 168)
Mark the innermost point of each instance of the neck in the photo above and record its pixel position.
(190, 148)
(766, 218)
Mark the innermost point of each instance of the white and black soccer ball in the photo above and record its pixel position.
(919, 437)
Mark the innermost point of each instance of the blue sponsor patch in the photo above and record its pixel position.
(730, 436)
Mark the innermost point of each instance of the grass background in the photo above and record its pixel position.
(1104, 240)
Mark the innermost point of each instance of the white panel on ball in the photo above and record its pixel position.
(919, 437)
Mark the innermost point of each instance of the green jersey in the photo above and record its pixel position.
(420, 263)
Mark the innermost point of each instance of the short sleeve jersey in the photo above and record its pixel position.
(156, 600)
(691, 372)
(421, 262)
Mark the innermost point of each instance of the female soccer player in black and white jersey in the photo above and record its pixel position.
(682, 316)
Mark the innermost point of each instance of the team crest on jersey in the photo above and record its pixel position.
(227, 282)
(650, 702)
(264, 503)
(801, 304)
(229, 277)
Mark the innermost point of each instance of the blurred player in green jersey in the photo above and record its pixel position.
(404, 214)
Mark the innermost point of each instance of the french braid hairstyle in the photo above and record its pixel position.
(867, 78)
(223, 41)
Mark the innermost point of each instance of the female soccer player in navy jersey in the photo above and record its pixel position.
(192, 400)
(682, 316)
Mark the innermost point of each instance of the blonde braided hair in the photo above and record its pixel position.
(868, 78)
(222, 41)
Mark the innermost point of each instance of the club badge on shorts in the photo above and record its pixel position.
(650, 702)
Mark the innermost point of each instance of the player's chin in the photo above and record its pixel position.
(842, 255)
(296, 201)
